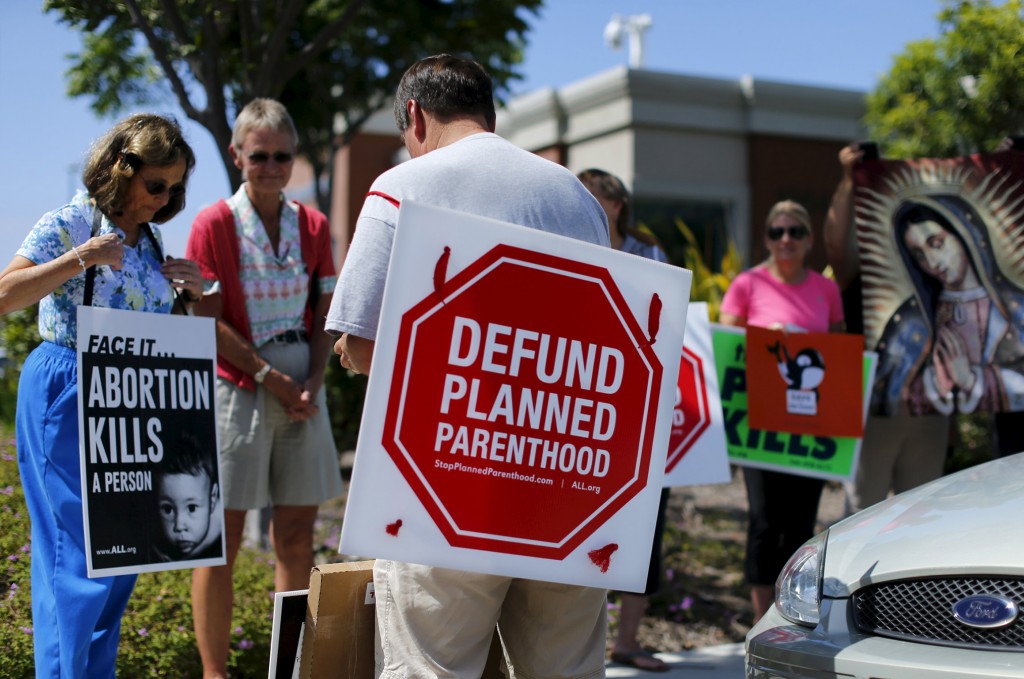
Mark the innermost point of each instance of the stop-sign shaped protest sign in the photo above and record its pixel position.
(691, 415)
(523, 426)
(519, 408)
(696, 445)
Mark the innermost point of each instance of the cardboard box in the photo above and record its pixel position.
(337, 641)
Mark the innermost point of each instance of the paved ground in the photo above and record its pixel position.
(711, 662)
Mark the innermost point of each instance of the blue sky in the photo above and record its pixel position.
(834, 43)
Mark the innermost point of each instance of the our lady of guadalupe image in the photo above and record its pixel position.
(942, 256)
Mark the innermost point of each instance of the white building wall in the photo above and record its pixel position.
(613, 152)
(669, 135)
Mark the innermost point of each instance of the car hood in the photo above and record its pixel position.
(970, 522)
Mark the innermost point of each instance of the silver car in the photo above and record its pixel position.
(928, 584)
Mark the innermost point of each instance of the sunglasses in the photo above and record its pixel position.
(158, 188)
(262, 157)
(795, 232)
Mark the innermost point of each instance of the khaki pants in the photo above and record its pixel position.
(436, 622)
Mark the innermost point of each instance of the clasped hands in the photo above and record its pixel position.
(952, 363)
(298, 400)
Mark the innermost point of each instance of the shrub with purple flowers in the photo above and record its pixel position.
(16, 601)
(157, 639)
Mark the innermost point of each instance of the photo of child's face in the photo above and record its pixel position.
(185, 505)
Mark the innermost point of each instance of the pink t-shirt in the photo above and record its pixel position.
(757, 296)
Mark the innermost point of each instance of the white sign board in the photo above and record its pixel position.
(148, 442)
(697, 453)
(519, 405)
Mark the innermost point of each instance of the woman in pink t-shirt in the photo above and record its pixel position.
(781, 293)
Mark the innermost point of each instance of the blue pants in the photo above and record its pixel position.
(76, 621)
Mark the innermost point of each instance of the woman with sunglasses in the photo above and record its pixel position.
(782, 294)
(134, 175)
(269, 276)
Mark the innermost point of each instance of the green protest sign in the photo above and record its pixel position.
(824, 457)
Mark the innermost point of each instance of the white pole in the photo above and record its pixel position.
(634, 27)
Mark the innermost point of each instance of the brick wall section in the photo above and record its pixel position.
(366, 157)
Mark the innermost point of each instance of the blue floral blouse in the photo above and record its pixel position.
(137, 286)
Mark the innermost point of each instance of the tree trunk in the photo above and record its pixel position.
(323, 194)
(218, 127)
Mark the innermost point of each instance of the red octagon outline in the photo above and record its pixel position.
(690, 363)
(391, 439)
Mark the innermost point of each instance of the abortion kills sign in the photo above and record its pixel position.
(148, 437)
(519, 405)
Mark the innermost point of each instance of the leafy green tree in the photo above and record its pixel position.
(959, 93)
(333, 63)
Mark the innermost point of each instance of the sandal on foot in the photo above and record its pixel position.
(641, 660)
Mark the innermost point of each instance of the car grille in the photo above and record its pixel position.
(922, 611)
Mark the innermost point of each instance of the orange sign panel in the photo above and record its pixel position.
(805, 383)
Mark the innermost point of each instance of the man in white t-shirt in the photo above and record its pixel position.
(437, 622)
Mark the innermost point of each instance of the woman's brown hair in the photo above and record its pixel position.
(138, 140)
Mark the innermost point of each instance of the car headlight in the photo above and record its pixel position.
(798, 589)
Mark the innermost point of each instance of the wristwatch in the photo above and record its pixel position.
(261, 373)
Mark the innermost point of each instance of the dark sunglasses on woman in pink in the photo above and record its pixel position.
(795, 232)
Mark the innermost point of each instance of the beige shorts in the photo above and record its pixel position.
(266, 459)
(436, 622)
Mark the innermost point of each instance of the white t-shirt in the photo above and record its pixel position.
(482, 175)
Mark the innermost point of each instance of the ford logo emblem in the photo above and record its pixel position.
(985, 611)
